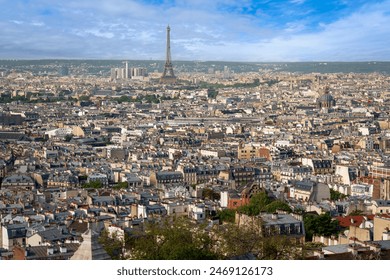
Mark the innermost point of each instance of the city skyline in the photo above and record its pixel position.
(295, 30)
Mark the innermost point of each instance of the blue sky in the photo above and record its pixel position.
(230, 30)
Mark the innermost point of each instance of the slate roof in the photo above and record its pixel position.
(40, 252)
(52, 235)
(16, 230)
(169, 175)
(16, 178)
(322, 163)
(304, 185)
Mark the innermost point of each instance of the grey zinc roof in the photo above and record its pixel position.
(40, 252)
(107, 199)
(282, 219)
(337, 249)
(52, 234)
(18, 179)
(304, 185)
(16, 230)
(385, 244)
(168, 175)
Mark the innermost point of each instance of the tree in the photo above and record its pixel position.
(280, 247)
(151, 98)
(127, 99)
(112, 245)
(93, 185)
(68, 137)
(171, 239)
(320, 225)
(278, 205)
(212, 93)
(226, 215)
(120, 185)
(233, 241)
(335, 195)
(84, 98)
(260, 202)
(257, 204)
(182, 239)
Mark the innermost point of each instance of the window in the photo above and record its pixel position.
(297, 228)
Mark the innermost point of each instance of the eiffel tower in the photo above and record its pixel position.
(168, 77)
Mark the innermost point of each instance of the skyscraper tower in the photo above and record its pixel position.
(126, 70)
(168, 77)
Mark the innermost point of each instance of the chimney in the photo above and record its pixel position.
(386, 234)
(274, 216)
(50, 251)
(63, 249)
(319, 254)
(353, 248)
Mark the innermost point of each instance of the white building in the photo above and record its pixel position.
(197, 212)
(347, 173)
(213, 153)
(362, 190)
(59, 132)
(224, 200)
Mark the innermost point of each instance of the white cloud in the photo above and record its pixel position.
(198, 31)
(37, 23)
(94, 32)
(19, 22)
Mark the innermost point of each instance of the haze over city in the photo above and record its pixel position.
(227, 30)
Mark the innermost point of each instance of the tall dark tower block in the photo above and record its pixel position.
(168, 77)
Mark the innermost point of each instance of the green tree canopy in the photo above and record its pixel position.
(258, 203)
(112, 245)
(183, 239)
(212, 93)
(93, 185)
(278, 205)
(280, 247)
(177, 239)
(335, 195)
(234, 241)
(68, 137)
(320, 225)
(84, 98)
(121, 185)
(226, 215)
